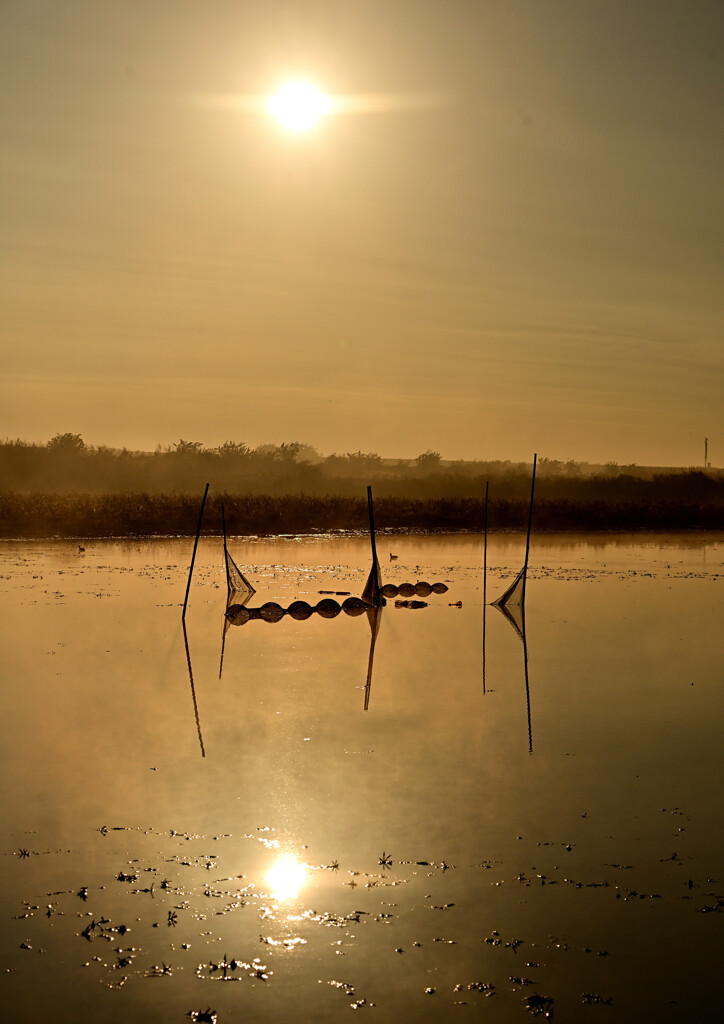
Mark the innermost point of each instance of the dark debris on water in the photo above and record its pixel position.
(539, 1006)
(207, 1016)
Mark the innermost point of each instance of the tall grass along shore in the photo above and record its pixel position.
(33, 515)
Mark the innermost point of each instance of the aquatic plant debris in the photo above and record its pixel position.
(539, 1005)
(207, 1016)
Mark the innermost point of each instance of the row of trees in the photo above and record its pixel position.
(66, 465)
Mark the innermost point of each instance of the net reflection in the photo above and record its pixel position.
(238, 615)
(374, 617)
(227, 621)
(193, 688)
(515, 614)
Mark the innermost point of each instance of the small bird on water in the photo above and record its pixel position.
(393, 557)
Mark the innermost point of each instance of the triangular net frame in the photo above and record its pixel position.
(236, 581)
(371, 593)
(515, 593)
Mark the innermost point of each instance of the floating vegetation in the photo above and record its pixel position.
(207, 1016)
(592, 999)
(226, 969)
(539, 1006)
(485, 987)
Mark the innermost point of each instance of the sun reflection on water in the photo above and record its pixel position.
(286, 878)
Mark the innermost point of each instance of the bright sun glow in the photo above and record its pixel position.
(298, 105)
(286, 878)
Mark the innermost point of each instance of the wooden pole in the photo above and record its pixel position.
(485, 543)
(193, 556)
(530, 521)
(226, 557)
(485, 571)
(375, 563)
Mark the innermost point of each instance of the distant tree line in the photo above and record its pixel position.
(67, 465)
(67, 488)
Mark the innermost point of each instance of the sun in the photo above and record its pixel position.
(298, 105)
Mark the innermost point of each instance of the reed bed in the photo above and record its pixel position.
(39, 515)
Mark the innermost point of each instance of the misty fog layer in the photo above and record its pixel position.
(69, 489)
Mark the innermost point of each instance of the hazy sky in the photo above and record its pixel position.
(514, 244)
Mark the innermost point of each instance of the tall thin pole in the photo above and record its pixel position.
(485, 544)
(226, 556)
(530, 521)
(485, 571)
(193, 556)
(375, 563)
(706, 452)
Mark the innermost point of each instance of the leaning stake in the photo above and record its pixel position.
(485, 571)
(530, 520)
(375, 574)
(193, 556)
(485, 545)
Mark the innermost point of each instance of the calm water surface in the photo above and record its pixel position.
(439, 832)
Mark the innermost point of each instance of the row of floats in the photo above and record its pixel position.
(328, 608)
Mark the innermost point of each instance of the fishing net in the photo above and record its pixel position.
(372, 593)
(236, 581)
(515, 592)
(515, 614)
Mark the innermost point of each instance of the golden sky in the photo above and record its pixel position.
(507, 239)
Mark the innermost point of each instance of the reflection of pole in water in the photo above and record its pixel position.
(242, 600)
(515, 614)
(193, 690)
(374, 617)
(223, 641)
(485, 572)
(527, 687)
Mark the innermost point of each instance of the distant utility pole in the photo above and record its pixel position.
(706, 452)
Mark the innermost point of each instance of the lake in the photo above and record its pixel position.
(436, 815)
